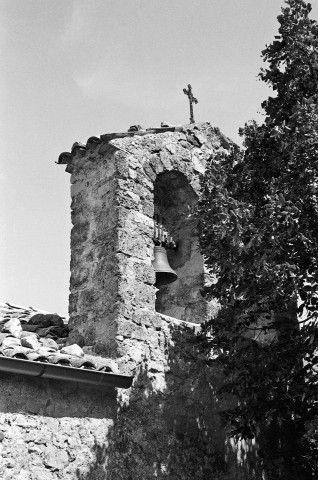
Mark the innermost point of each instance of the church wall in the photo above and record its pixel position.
(113, 202)
(163, 171)
(168, 425)
(50, 429)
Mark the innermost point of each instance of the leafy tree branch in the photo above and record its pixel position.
(258, 225)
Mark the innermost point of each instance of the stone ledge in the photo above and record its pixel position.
(178, 321)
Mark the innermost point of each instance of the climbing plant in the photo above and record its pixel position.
(258, 227)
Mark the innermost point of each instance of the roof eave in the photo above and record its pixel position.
(61, 372)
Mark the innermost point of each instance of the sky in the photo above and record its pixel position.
(71, 69)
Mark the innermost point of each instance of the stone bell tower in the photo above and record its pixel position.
(122, 184)
(133, 192)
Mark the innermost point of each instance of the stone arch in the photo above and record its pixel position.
(175, 200)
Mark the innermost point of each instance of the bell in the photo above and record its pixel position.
(164, 273)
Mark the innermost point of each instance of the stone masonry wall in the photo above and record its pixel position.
(181, 157)
(112, 235)
(167, 426)
(169, 423)
(52, 430)
(94, 265)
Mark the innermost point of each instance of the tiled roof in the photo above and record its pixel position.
(30, 334)
(105, 145)
(66, 157)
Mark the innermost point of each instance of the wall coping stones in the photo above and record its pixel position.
(66, 157)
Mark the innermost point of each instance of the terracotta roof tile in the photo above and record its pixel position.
(39, 336)
(37, 357)
(15, 352)
(83, 363)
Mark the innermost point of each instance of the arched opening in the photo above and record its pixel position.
(174, 203)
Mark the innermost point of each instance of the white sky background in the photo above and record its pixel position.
(71, 69)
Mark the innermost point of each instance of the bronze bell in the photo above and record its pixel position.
(164, 273)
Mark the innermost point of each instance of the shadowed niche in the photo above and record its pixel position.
(175, 202)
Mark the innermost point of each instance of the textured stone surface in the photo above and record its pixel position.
(51, 429)
(28, 335)
(168, 425)
(48, 448)
(114, 194)
(58, 431)
(73, 350)
(30, 341)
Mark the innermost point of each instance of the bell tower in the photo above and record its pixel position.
(135, 295)
(134, 245)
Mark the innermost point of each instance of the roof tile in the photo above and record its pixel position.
(37, 357)
(59, 358)
(10, 342)
(16, 352)
(82, 363)
(39, 336)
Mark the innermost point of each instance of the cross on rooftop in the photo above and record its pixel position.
(192, 100)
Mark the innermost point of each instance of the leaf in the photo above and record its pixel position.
(265, 249)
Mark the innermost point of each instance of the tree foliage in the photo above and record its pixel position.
(258, 231)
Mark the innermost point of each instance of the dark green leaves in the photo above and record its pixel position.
(258, 224)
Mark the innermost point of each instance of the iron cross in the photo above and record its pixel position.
(191, 100)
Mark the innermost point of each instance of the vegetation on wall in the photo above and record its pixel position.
(259, 234)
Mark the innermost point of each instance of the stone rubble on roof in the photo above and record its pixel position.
(30, 334)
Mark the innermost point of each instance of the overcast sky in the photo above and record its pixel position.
(72, 69)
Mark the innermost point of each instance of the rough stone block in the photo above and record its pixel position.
(73, 350)
(56, 460)
(130, 330)
(132, 245)
(149, 171)
(30, 342)
(80, 233)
